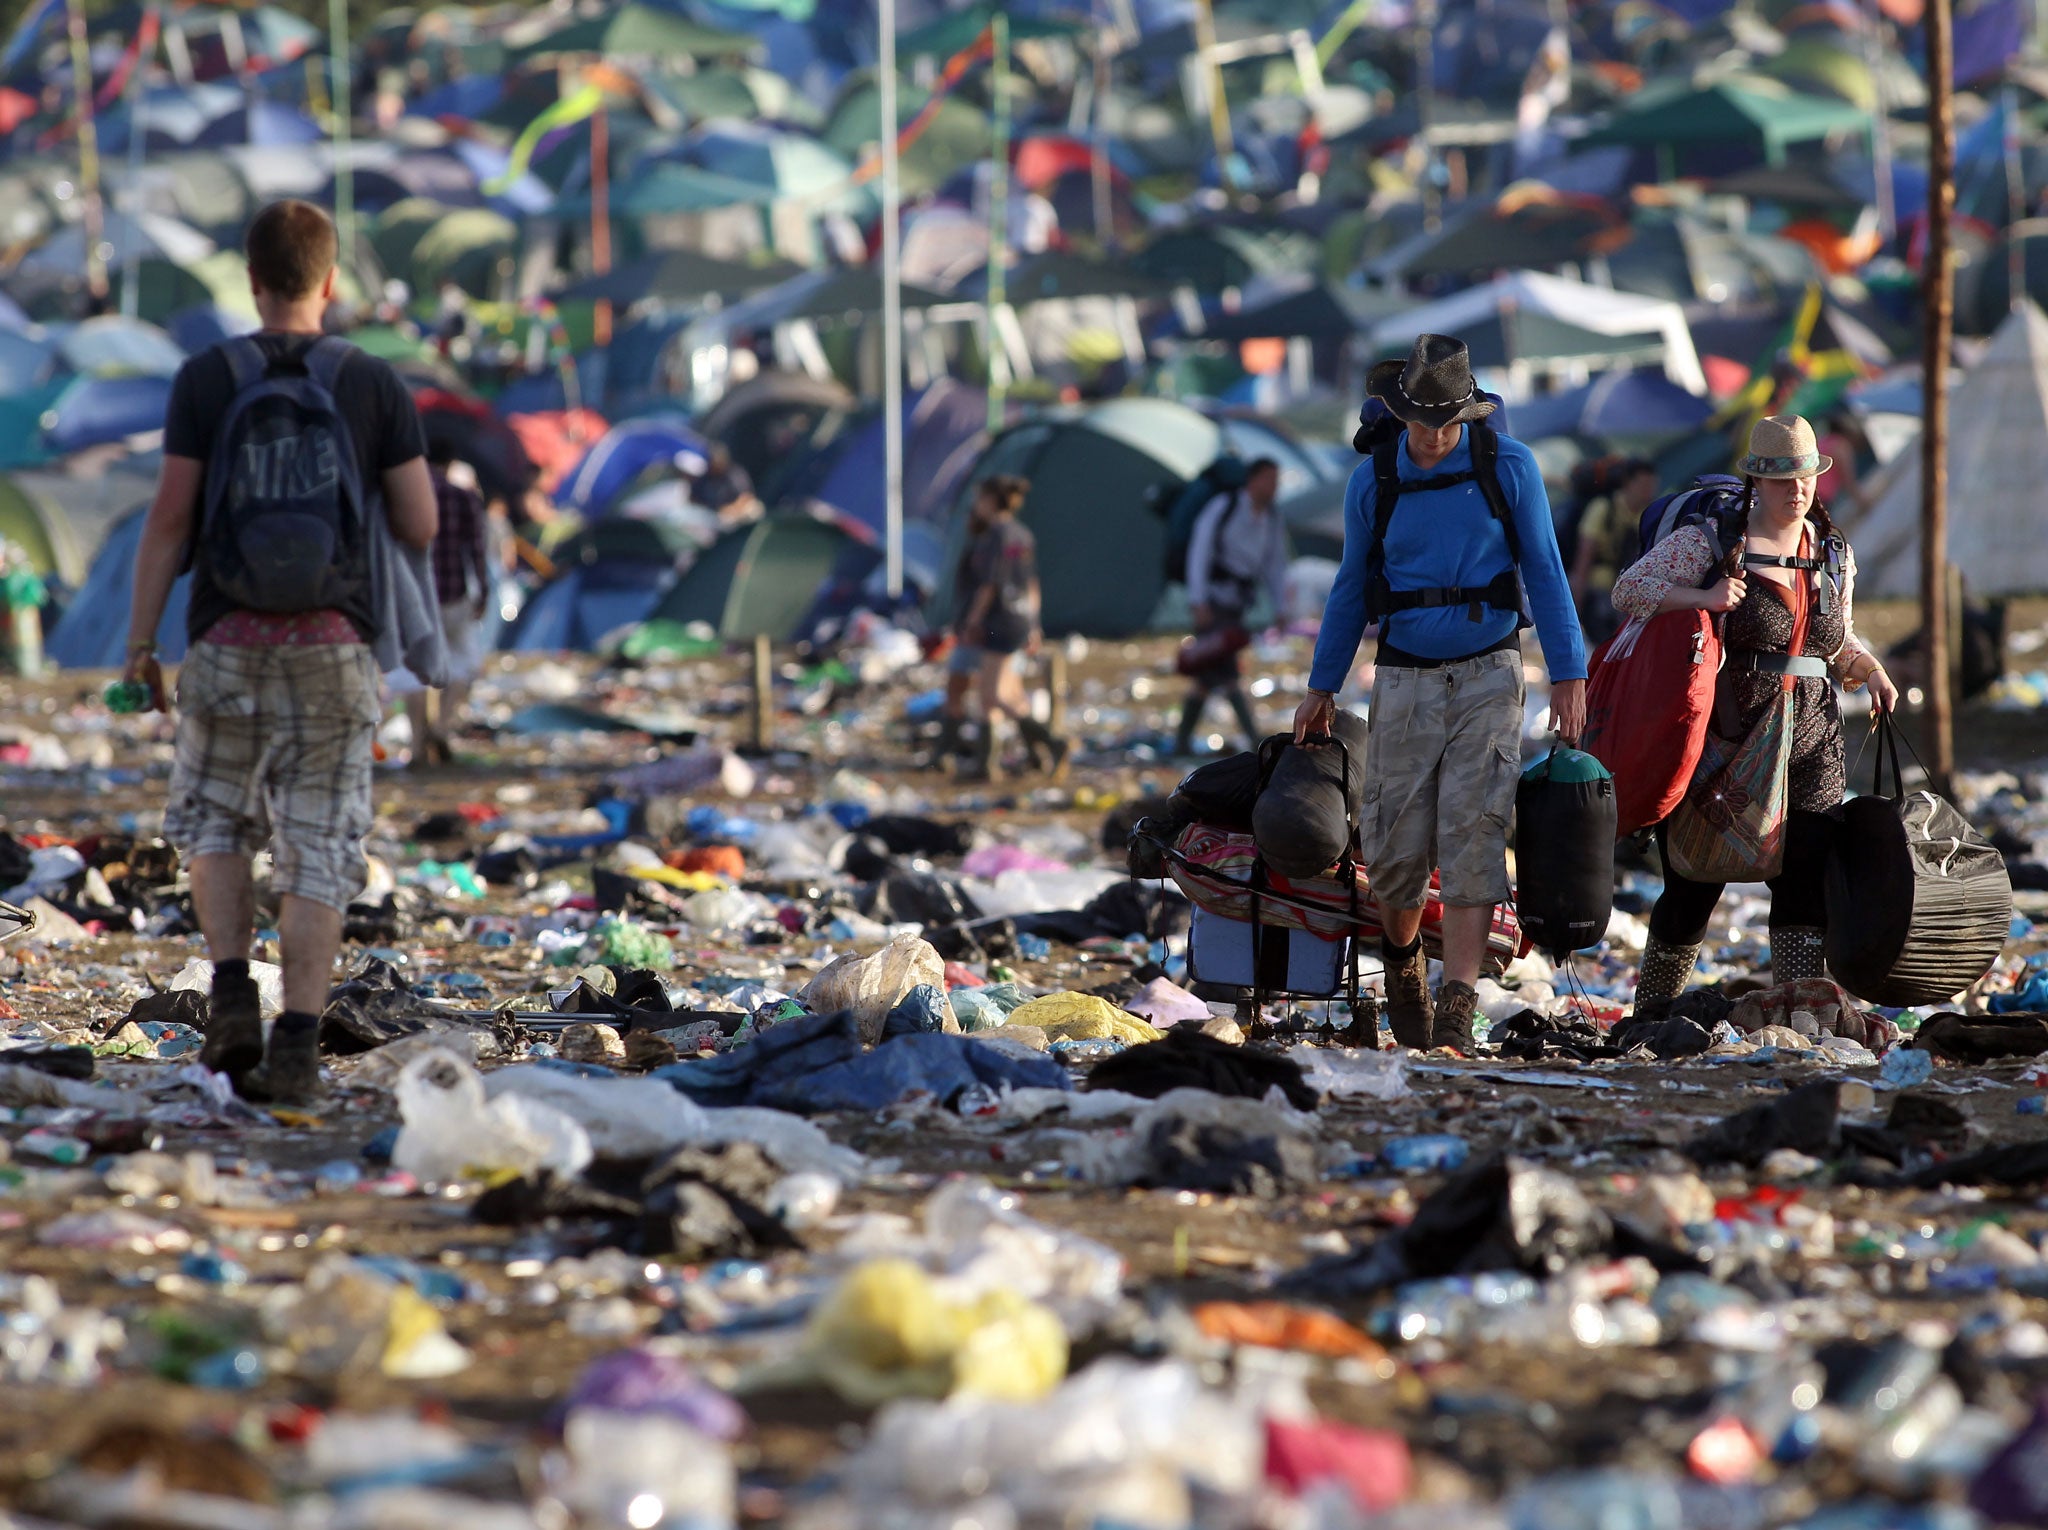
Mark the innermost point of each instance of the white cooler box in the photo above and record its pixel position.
(1294, 961)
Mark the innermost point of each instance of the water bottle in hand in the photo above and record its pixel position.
(126, 696)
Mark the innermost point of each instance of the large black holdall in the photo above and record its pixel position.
(1919, 903)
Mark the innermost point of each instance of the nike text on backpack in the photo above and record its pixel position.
(1502, 593)
(283, 527)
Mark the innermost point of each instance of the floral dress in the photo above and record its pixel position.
(1763, 623)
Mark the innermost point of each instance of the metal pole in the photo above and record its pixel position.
(131, 264)
(1425, 109)
(999, 225)
(1219, 104)
(601, 220)
(1880, 140)
(764, 693)
(1098, 155)
(88, 152)
(1938, 301)
(344, 87)
(892, 315)
(2015, 204)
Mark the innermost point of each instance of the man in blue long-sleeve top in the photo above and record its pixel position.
(1437, 522)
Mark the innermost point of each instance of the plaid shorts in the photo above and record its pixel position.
(274, 748)
(1443, 758)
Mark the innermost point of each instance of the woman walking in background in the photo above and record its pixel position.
(1797, 572)
(998, 626)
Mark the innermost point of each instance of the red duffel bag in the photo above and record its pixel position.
(1648, 699)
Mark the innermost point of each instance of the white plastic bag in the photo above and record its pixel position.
(871, 986)
(1346, 1072)
(196, 976)
(453, 1131)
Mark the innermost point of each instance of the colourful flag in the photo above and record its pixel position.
(981, 51)
(580, 106)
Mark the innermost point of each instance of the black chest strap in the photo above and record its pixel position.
(1503, 592)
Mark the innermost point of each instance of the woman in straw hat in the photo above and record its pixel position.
(1791, 556)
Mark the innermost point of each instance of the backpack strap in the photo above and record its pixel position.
(1503, 592)
(325, 358)
(247, 365)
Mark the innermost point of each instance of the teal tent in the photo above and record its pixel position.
(758, 580)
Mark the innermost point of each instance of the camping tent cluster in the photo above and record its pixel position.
(606, 241)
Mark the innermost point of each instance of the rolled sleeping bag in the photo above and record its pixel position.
(1302, 820)
(1564, 851)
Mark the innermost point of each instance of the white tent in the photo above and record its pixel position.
(1552, 316)
(1997, 475)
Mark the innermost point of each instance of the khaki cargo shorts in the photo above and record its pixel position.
(274, 748)
(1443, 757)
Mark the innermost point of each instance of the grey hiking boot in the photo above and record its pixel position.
(1455, 1004)
(1797, 951)
(290, 1074)
(234, 1027)
(1408, 1010)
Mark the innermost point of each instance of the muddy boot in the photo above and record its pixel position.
(1665, 972)
(987, 765)
(290, 1074)
(1364, 1029)
(1797, 951)
(948, 746)
(1048, 751)
(1455, 1004)
(1408, 1010)
(234, 1027)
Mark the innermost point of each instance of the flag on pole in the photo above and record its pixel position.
(579, 106)
(981, 51)
(29, 33)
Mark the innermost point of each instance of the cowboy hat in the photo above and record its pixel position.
(1782, 446)
(1433, 386)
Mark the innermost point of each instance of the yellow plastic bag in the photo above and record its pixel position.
(1082, 1017)
(889, 1330)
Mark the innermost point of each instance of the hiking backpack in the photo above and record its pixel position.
(1503, 592)
(284, 526)
(1225, 475)
(1718, 503)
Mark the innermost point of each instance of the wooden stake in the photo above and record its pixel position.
(1056, 683)
(1938, 299)
(764, 694)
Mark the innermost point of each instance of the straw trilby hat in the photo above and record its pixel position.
(1782, 446)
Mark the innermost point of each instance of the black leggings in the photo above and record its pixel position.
(1798, 893)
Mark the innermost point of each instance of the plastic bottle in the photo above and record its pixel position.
(124, 697)
(1427, 1154)
(1449, 1308)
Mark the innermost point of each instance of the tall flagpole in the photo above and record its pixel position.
(1937, 301)
(999, 223)
(342, 83)
(88, 151)
(892, 315)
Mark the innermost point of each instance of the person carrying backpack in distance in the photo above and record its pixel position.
(279, 448)
(999, 624)
(1796, 578)
(1239, 543)
(1438, 523)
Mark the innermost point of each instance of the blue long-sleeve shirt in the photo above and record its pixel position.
(1449, 539)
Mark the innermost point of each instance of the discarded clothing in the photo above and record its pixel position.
(377, 1007)
(1806, 1120)
(1983, 1038)
(1187, 1059)
(939, 1065)
(712, 1203)
(781, 1054)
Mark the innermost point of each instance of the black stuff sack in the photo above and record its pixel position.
(1919, 903)
(1564, 851)
(1309, 799)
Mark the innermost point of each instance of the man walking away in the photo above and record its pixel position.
(278, 449)
(462, 584)
(1437, 524)
(1239, 544)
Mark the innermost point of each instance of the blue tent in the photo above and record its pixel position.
(613, 575)
(1623, 405)
(944, 430)
(93, 631)
(609, 468)
(97, 410)
(263, 124)
(468, 98)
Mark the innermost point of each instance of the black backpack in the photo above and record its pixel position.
(285, 519)
(1503, 592)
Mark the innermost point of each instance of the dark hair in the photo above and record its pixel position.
(1630, 467)
(1007, 490)
(291, 247)
(1259, 464)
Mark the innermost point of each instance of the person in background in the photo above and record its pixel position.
(1239, 545)
(725, 487)
(998, 626)
(1609, 540)
(1438, 569)
(462, 583)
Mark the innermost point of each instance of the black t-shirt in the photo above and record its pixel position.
(383, 426)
